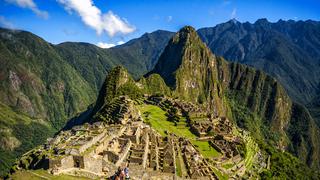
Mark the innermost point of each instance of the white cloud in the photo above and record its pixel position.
(120, 42)
(5, 23)
(109, 45)
(93, 17)
(29, 4)
(233, 14)
(105, 45)
(169, 18)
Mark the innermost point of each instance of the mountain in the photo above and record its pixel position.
(39, 91)
(29, 65)
(287, 50)
(190, 89)
(45, 84)
(257, 102)
(138, 56)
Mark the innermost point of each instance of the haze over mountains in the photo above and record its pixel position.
(43, 85)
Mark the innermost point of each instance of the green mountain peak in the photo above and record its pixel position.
(117, 77)
(176, 53)
(189, 68)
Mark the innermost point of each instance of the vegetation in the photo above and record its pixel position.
(56, 82)
(286, 166)
(43, 85)
(156, 117)
(178, 167)
(283, 164)
(205, 149)
(42, 174)
(19, 134)
(220, 175)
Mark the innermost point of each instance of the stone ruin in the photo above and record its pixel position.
(224, 146)
(98, 149)
(197, 166)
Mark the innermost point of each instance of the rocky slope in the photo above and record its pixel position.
(287, 50)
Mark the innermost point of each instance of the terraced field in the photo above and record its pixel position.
(157, 118)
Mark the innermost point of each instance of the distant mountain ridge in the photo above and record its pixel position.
(287, 50)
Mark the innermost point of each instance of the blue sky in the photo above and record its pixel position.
(111, 22)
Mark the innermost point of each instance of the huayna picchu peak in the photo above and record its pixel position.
(194, 116)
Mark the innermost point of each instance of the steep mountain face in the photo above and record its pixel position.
(37, 89)
(36, 81)
(189, 68)
(90, 61)
(287, 50)
(196, 75)
(282, 122)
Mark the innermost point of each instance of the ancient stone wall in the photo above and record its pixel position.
(93, 141)
(67, 162)
(111, 156)
(93, 164)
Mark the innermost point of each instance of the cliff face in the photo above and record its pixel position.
(189, 69)
(261, 94)
(287, 50)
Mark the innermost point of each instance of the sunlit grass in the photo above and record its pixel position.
(157, 119)
(42, 174)
(205, 148)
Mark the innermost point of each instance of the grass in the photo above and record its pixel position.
(251, 150)
(157, 119)
(205, 148)
(18, 130)
(42, 174)
(228, 166)
(220, 175)
(178, 167)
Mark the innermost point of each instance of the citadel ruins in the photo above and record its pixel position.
(97, 149)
